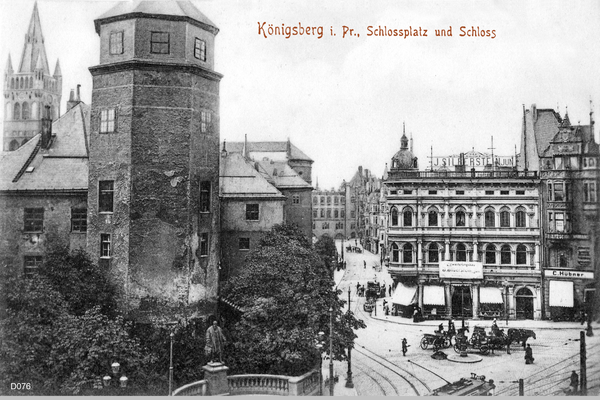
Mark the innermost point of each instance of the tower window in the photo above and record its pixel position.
(116, 42)
(159, 43)
(107, 120)
(205, 196)
(31, 264)
(205, 120)
(244, 243)
(105, 250)
(252, 212)
(204, 244)
(295, 199)
(200, 49)
(33, 220)
(78, 219)
(106, 191)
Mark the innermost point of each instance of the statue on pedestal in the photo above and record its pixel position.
(215, 340)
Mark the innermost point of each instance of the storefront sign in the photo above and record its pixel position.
(471, 159)
(461, 270)
(553, 273)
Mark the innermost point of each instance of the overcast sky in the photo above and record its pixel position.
(343, 100)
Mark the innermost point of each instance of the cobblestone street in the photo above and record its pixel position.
(380, 369)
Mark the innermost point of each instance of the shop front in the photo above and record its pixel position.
(569, 293)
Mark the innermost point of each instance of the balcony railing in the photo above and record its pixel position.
(392, 175)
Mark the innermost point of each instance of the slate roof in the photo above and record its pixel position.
(176, 8)
(64, 166)
(238, 178)
(545, 128)
(266, 147)
(283, 175)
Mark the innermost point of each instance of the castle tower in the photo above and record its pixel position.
(30, 89)
(153, 210)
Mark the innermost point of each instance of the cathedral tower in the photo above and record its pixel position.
(153, 209)
(30, 89)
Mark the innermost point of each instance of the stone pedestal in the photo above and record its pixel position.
(215, 375)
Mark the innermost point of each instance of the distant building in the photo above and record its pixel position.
(463, 243)
(567, 158)
(330, 213)
(29, 89)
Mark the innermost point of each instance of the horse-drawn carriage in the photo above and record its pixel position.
(478, 341)
(353, 249)
(497, 339)
(437, 340)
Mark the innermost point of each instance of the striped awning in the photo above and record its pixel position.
(561, 294)
(404, 295)
(434, 296)
(490, 295)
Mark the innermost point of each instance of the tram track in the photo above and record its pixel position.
(368, 372)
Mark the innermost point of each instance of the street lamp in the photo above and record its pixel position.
(107, 380)
(349, 383)
(171, 324)
(319, 346)
(331, 351)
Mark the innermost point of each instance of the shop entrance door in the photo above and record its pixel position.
(462, 303)
(524, 304)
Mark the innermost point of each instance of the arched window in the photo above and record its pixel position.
(322, 213)
(407, 254)
(432, 253)
(505, 254)
(504, 218)
(336, 213)
(490, 254)
(490, 218)
(343, 214)
(13, 145)
(432, 217)
(30, 82)
(21, 83)
(460, 218)
(394, 217)
(322, 200)
(521, 254)
(395, 253)
(461, 252)
(12, 83)
(25, 110)
(520, 218)
(407, 217)
(17, 112)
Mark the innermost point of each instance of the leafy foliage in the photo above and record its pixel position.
(286, 292)
(325, 247)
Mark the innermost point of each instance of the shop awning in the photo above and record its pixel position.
(561, 294)
(490, 295)
(404, 295)
(434, 296)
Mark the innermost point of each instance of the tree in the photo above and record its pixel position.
(325, 247)
(285, 291)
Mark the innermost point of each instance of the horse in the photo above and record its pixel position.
(520, 335)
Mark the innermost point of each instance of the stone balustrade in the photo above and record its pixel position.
(193, 389)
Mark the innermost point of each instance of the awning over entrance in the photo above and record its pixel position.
(490, 295)
(404, 295)
(434, 295)
(561, 294)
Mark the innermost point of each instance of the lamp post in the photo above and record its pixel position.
(171, 365)
(319, 346)
(331, 351)
(505, 284)
(107, 380)
(349, 383)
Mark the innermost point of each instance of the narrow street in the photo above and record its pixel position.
(380, 369)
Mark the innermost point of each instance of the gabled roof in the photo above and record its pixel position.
(64, 166)
(268, 147)
(179, 9)
(284, 177)
(34, 46)
(544, 127)
(239, 179)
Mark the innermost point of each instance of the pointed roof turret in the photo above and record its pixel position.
(385, 172)
(9, 67)
(566, 122)
(34, 46)
(57, 71)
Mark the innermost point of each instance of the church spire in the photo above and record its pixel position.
(57, 71)
(34, 45)
(9, 67)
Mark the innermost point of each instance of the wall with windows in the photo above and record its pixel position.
(32, 223)
(298, 209)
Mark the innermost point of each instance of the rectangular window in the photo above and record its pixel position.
(559, 194)
(251, 212)
(205, 121)
(504, 192)
(407, 191)
(116, 42)
(315, 213)
(106, 191)
(589, 192)
(343, 200)
(204, 244)
(520, 192)
(31, 264)
(352, 214)
(433, 192)
(244, 244)
(105, 250)
(560, 222)
(159, 43)
(558, 163)
(107, 120)
(33, 220)
(200, 49)
(352, 199)
(343, 214)
(489, 192)
(328, 213)
(460, 192)
(78, 219)
(322, 213)
(205, 196)
(328, 200)
(335, 200)
(295, 199)
(325, 225)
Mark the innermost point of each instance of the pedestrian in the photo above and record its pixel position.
(441, 328)
(390, 290)
(574, 382)
(529, 355)
(357, 287)
(404, 347)
(365, 264)
(384, 302)
(451, 328)
(415, 315)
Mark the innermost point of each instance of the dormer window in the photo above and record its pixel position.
(159, 43)
(200, 49)
(116, 42)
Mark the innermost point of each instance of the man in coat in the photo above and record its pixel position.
(215, 340)
(529, 355)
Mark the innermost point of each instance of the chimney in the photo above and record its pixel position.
(73, 100)
(78, 96)
(46, 128)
